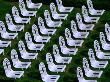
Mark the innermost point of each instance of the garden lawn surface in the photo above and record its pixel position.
(32, 74)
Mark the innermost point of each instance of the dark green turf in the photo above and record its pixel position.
(32, 74)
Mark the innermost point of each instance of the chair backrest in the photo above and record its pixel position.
(41, 22)
(78, 18)
(91, 54)
(73, 26)
(8, 19)
(59, 2)
(79, 73)
(67, 33)
(42, 69)
(85, 64)
(28, 1)
(53, 8)
(35, 30)
(55, 50)
(47, 15)
(6, 64)
(21, 1)
(84, 11)
(2, 27)
(61, 41)
(96, 46)
(102, 38)
(107, 28)
(21, 4)
(89, 3)
(21, 46)
(14, 55)
(28, 37)
(49, 58)
(15, 11)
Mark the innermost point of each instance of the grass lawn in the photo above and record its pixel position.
(32, 74)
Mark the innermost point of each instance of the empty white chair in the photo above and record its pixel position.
(107, 31)
(53, 67)
(81, 25)
(2, 51)
(11, 25)
(76, 33)
(61, 8)
(5, 44)
(24, 53)
(70, 40)
(31, 45)
(86, 16)
(80, 76)
(9, 72)
(45, 76)
(104, 44)
(17, 17)
(43, 29)
(55, 14)
(64, 49)
(32, 5)
(59, 58)
(94, 62)
(38, 37)
(24, 11)
(93, 11)
(5, 34)
(16, 62)
(49, 21)
(89, 72)
(99, 53)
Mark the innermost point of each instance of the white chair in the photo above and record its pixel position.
(107, 31)
(64, 49)
(49, 21)
(5, 44)
(45, 76)
(76, 33)
(32, 5)
(80, 76)
(24, 53)
(24, 11)
(17, 17)
(31, 45)
(43, 29)
(89, 72)
(16, 62)
(99, 53)
(59, 58)
(9, 72)
(93, 11)
(104, 44)
(2, 51)
(55, 14)
(94, 62)
(53, 67)
(11, 25)
(5, 34)
(81, 25)
(38, 37)
(86, 16)
(70, 40)
(61, 8)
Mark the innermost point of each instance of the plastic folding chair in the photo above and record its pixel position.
(9, 72)
(45, 76)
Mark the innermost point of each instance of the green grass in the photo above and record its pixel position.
(32, 74)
